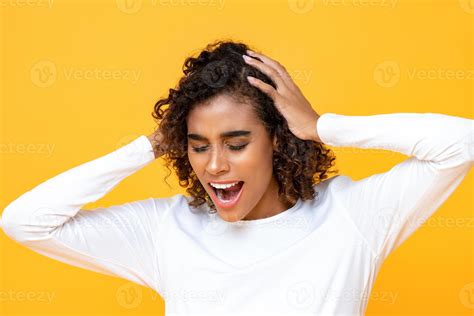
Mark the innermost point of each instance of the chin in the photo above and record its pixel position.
(229, 216)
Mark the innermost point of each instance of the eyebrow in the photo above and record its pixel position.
(228, 134)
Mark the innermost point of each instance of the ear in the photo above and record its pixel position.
(275, 143)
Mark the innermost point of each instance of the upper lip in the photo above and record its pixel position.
(225, 181)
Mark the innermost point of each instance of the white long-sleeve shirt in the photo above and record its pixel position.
(320, 257)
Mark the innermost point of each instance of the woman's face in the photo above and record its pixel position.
(245, 156)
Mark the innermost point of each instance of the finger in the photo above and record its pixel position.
(267, 70)
(266, 59)
(265, 87)
(276, 65)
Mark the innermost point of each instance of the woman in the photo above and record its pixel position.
(264, 231)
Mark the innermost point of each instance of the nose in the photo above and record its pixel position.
(217, 162)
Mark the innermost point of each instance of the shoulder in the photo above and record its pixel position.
(334, 187)
(168, 202)
(336, 183)
(174, 212)
(178, 205)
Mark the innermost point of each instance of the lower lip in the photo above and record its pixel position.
(222, 204)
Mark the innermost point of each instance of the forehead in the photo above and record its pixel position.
(221, 113)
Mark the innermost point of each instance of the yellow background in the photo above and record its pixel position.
(356, 57)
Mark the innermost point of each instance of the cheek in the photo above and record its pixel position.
(256, 163)
(195, 162)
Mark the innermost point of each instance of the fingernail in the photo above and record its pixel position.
(246, 57)
(250, 78)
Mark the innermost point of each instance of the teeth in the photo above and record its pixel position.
(223, 186)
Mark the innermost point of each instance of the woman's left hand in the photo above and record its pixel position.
(288, 99)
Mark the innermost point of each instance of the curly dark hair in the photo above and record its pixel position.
(220, 69)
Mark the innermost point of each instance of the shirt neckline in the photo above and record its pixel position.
(265, 220)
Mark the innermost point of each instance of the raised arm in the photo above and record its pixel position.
(120, 240)
(388, 207)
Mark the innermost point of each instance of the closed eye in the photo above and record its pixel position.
(235, 148)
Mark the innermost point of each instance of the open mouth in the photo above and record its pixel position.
(229, 195)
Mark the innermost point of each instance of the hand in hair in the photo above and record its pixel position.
(288, 98)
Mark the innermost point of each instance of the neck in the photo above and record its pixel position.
(269, 205)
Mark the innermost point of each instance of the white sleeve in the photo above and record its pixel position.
(388, 207)
(119, 241)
